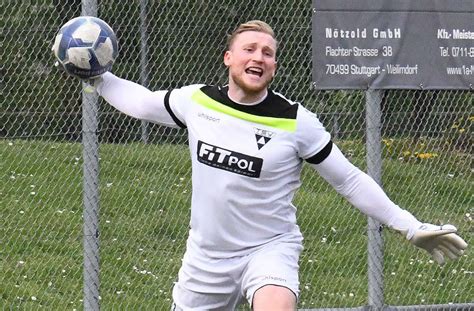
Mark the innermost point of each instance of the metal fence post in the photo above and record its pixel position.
(90, 143)
(374, 169)
(144, 59)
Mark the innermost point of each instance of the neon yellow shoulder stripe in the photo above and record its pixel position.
(288, 125)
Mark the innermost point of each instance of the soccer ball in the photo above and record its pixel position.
(86, 47)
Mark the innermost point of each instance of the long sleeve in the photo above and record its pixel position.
(364, 193)
(135, 100)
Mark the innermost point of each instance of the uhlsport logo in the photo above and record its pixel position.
(263, 137)
(229, 160)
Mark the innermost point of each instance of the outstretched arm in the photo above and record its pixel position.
(134, 100)
(366, 195)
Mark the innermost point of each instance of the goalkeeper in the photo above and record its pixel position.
(248, 144)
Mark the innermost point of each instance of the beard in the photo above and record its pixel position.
(251, 89)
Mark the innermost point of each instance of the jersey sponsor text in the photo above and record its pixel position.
(229, 160)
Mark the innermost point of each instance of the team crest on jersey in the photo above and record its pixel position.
(263, 137)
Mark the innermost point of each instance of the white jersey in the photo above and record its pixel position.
(246, 165)
(247, 161)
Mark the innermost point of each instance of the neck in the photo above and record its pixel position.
(247, 99)
(243, 97)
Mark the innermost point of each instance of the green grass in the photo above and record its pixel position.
(144, 215)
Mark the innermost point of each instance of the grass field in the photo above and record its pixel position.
(144, 215)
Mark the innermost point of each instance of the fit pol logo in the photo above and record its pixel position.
(263, 137)
(229, 160)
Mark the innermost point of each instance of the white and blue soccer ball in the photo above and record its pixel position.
(86, 47)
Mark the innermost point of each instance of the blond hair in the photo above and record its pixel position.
(253, 25)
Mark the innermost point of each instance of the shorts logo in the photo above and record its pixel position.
(229, 160)
(274, 278)
(263, 137)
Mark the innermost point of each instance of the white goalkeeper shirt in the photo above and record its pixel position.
(246, 164)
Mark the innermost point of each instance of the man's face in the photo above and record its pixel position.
(251, 60)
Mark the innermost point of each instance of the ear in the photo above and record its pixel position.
(274, 70)
(227, 58)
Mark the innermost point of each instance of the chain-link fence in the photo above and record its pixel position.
(144, 178)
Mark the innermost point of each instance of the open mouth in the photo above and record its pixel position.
(254, 71)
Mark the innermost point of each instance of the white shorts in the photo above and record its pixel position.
(222, 284)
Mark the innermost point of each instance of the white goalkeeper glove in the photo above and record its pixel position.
(439, 241)
(91, 85)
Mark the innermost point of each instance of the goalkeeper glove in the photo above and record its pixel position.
(91, 85)
(439, 241)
